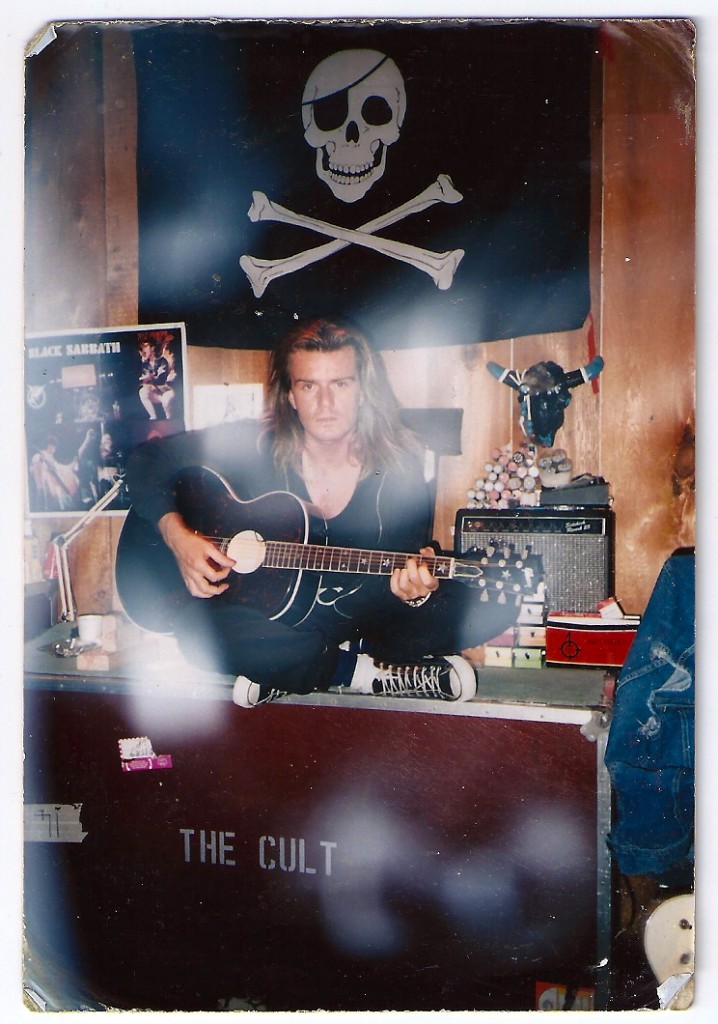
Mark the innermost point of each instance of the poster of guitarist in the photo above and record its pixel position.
(56, 484)
(158, 374)
(221, 550)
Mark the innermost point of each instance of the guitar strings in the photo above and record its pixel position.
(340, 559)
(296, 555)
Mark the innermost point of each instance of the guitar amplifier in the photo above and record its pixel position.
(576, 546)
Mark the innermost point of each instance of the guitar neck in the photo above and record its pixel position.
(284, 555)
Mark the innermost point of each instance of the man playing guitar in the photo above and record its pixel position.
(333, 438)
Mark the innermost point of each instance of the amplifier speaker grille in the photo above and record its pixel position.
(576, 546)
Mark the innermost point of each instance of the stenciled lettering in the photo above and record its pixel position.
(285, 854)
(211, 847)
(289, 854)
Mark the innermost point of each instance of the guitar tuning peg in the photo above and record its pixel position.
(484, 595)
(490, 550)
(501, 598)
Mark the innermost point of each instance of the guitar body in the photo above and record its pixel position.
(150, 585)
(280, 553)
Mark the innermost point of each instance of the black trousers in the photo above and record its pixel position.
(237, 641)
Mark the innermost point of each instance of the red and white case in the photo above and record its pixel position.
(589, 638)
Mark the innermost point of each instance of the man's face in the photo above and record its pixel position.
(325, 393)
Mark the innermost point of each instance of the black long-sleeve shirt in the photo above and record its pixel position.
(389, 510)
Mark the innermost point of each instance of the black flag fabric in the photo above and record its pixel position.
(429, 180)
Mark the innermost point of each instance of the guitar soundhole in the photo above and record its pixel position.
(247, 549)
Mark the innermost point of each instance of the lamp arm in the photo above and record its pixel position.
(62, 541)
(67, 603)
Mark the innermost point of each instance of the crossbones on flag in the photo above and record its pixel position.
(429, 180)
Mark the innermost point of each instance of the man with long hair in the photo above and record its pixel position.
(333, 437)
(157, 373)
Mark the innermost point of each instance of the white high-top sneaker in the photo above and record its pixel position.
(446, 678)
(247, 694)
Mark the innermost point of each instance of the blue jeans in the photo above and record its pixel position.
(650, 753)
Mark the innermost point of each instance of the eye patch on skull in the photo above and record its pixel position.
(352, 108)
(331, 112)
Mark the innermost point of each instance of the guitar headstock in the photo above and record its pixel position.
(503, 572)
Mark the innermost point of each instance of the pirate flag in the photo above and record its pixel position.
(429, 180)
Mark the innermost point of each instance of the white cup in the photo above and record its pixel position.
(90, 628)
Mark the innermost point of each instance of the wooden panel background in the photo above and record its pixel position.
(647, 288)
(82, 272)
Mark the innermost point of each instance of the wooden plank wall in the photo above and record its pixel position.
(82, 204)
(82, 235)
(648, 284)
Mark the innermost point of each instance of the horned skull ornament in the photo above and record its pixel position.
(353, 108)
(544, 394)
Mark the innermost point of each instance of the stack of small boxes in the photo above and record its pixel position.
(524, 644)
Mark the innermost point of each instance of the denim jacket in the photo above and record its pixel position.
(650, 753)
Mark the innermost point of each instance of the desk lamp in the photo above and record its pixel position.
(61, 543)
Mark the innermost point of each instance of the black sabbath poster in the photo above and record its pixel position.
(91, 397)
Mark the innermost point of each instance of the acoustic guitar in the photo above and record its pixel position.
(279, 546)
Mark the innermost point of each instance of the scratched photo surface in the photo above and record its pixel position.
(484, 199)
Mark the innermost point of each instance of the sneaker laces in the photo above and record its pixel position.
(248, 694)
(272, 694)
(414, 680)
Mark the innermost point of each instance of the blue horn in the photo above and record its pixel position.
(509, 377)
(586, 373)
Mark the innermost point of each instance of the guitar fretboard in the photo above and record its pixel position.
(283, 555)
